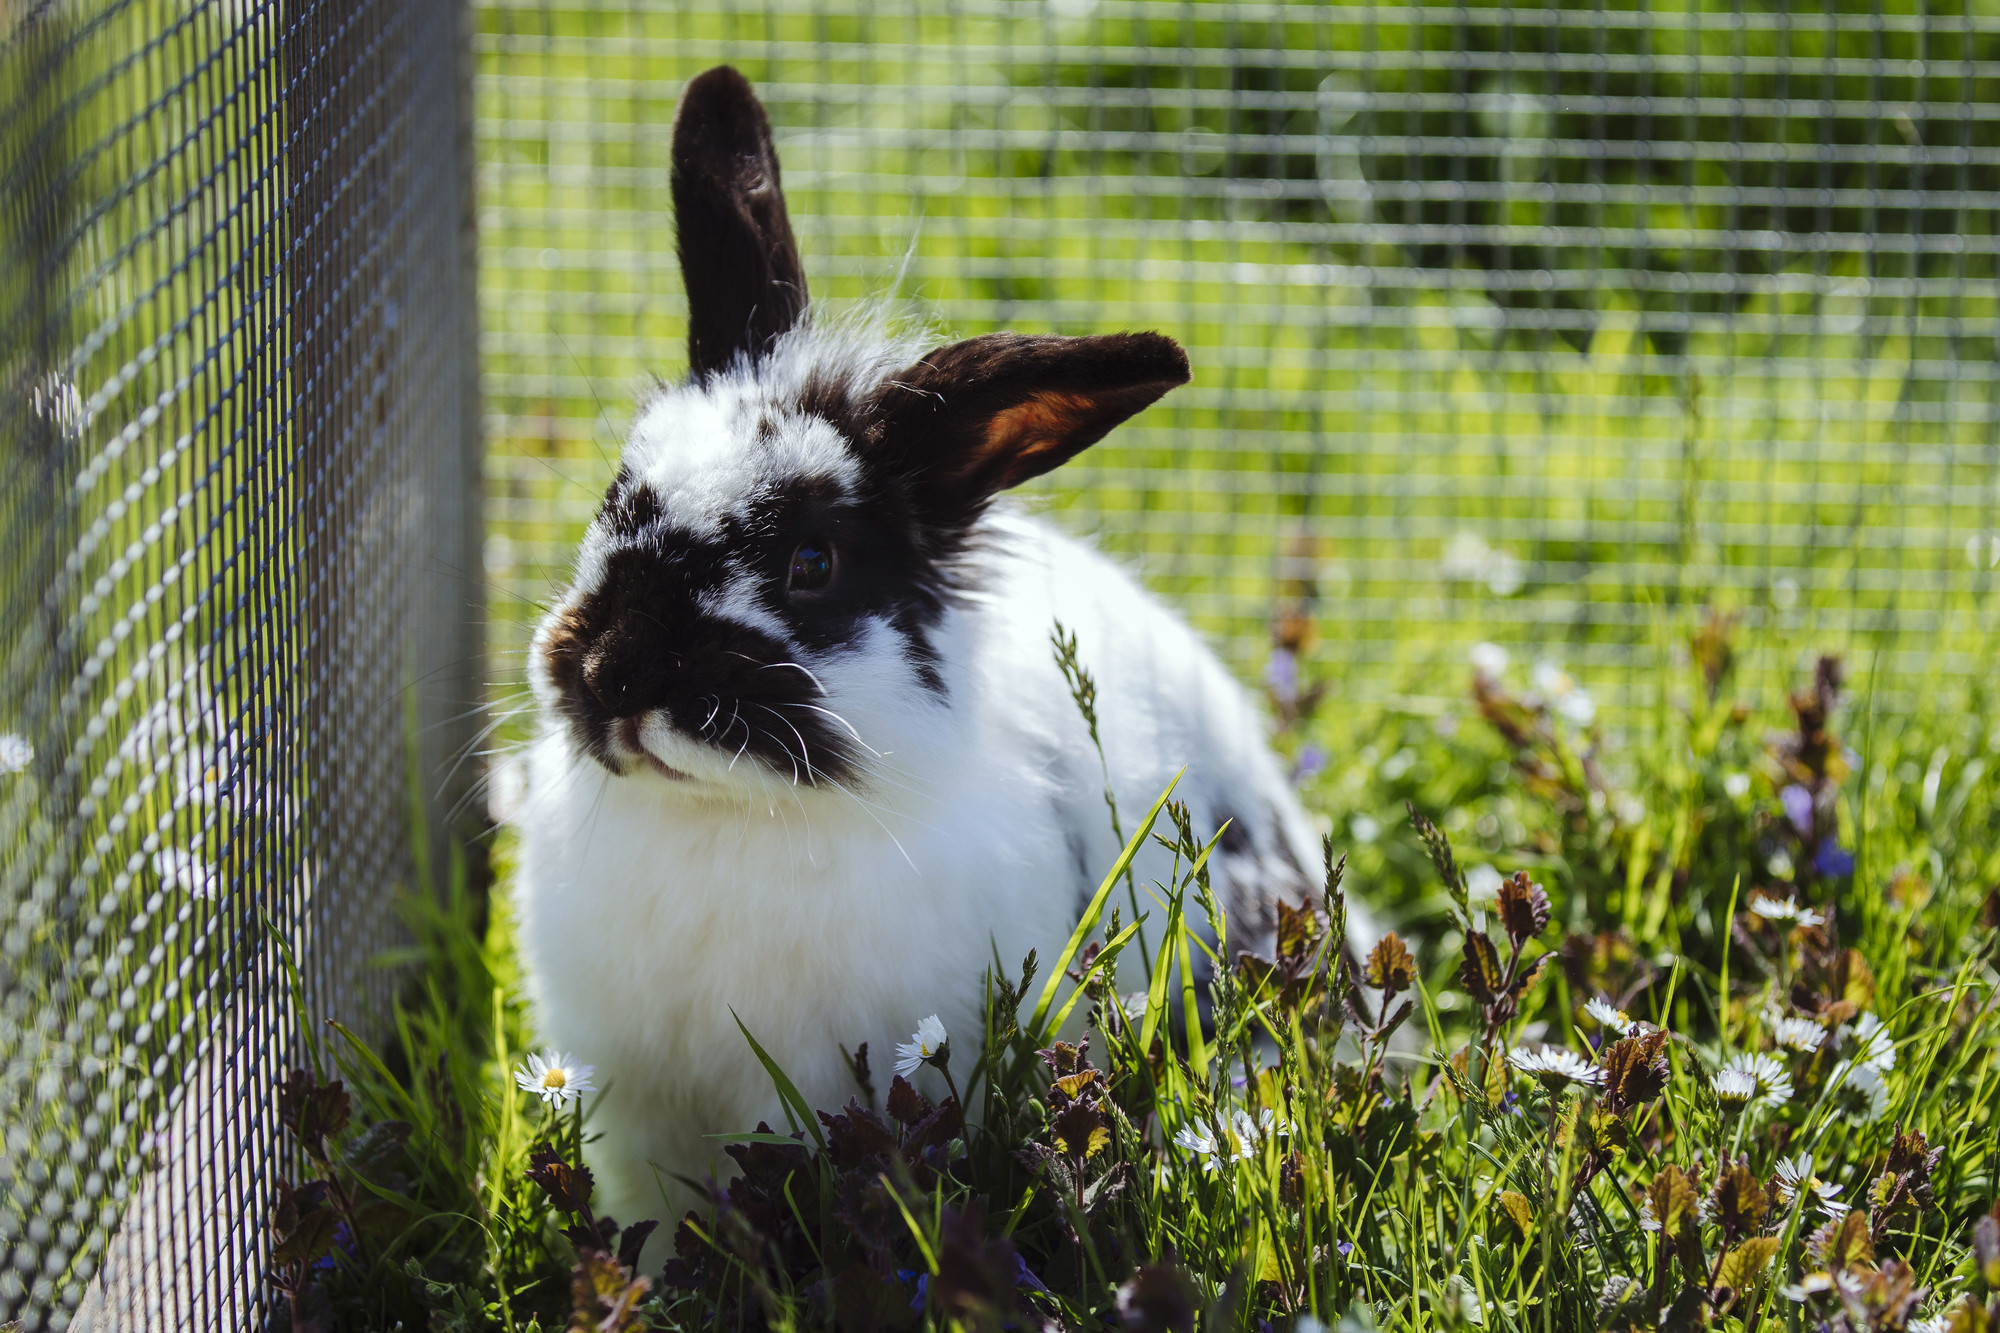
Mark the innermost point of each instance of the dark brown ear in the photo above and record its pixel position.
(972, 419)
(745, 285)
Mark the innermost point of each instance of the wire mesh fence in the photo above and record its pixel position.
(1517, 323)
(1525, 324)
(238, 511)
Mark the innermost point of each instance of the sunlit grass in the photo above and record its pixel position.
(1789, 911)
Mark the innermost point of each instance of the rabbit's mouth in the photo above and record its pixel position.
(643, 685)
(627, 731)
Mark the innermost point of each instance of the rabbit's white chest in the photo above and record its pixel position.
(649, 926)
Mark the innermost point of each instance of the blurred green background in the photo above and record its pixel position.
(1522, 324)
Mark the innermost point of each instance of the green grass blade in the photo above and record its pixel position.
(788, 1092)
(1037, 1029)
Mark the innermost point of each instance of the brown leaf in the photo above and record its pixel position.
(1986, 1249)
(1909, 1153)
(1480, 973)
(1158, 1298)
(605, 1297)
(302, 1223)
(568, 1187)
(1063, 1058)
(1084, 1085)
(1847, 1243)
(1298, 938)
(906, 1105)
(311, 1110)
(1079, 1131)
(1519, 1211)
(632, 1241)
(1739, 1201)
(1885, 1299)
(1635, 1071)
(1747, 1262)
(1390, 967)
(308, 1242)
(976, 1286)
(1671, 1196)
(1523, 908)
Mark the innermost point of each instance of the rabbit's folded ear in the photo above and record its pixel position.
(745, 284)
(974, 418)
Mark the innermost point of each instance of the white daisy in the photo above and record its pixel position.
(1609, 1015)
(1238, 1141)
(1785, 909)
(1794, 1175)
(1865, 1081)
(1873, 1044)
(1556, 1064)
(555, 1077)
(1489, 660)
(1567, 698)
(1771, 1082)
(926, 1045)
(1734, 1087)
(15, 753)
(1198, 1139)
(187, 872)
(1265, 1123)
(1798, 1034)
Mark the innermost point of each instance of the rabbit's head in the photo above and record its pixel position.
(760, 598)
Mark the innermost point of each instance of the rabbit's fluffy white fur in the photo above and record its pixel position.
(832, 864)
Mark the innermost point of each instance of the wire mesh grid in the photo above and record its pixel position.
(238, 506)
(1529, 324)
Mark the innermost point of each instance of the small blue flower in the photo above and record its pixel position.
(343, 1243)
(1798, 803)
(1832, 860)
(1309, 765)
(1281, 673)
(1023, 1277)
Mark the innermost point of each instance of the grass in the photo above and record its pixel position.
(1794, 904)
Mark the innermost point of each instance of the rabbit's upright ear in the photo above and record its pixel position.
(974, 418)
(745, 285)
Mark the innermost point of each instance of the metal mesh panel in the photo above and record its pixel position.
(238, 511)
(1507, 322)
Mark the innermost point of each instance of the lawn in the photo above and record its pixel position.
(1692, 1029)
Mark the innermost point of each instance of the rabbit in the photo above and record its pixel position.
(805, 757)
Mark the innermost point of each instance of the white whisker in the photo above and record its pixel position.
(775, 666)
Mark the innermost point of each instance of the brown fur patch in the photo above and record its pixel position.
(1017, 437)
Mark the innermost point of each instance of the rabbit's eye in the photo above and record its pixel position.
(812, 565)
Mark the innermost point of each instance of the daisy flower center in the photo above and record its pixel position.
(555, 1078)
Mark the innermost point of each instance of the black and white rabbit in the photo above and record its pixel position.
(805, 754)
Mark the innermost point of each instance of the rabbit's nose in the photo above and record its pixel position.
(608, 683)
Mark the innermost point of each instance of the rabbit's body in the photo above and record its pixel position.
(807, 759)
(824, 918)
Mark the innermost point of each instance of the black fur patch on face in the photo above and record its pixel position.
(641, 642)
